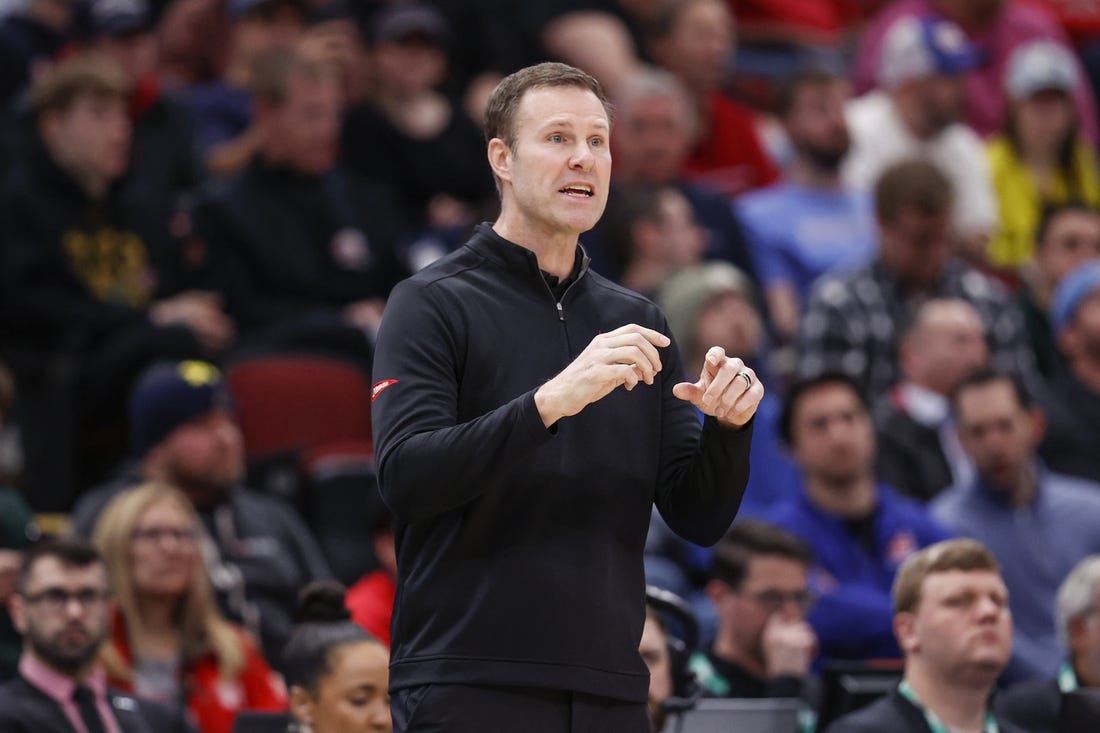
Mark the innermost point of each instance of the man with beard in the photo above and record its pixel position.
(259, 552)
(918, 113)
(1038, 523)
(62, 611)
(810, 223)
(952, 619)
(859, 531)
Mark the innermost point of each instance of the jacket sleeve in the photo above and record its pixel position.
(702, 478)
(428, 462)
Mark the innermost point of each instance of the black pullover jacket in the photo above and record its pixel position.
(520, 548)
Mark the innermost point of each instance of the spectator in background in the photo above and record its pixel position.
(1039, 159)
(62, 610)
(764, 646)
(655, 649)
(810, 223)
(164, 160)
(169, 642)
(89, 276)
(303, 251)
(30, 38)
(1066, 236)
(918, 447)
(1035, 705)
(337, 674)
(652, 233)
(853, 320)
(411, 136)
(18, 529)
(1074, 430)
(222, 107)
(858, 530)
(655, 126)
(997, 28)
(1038, 523)
(918, 113)
(370, 600)
(715, 303)
(334, 37)
(183, 435)
(694, 39)
(952, 620)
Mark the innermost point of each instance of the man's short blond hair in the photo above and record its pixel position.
(956, 554)
(85, 74)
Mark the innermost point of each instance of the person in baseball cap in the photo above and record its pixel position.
(915, 48)
(1078, 286)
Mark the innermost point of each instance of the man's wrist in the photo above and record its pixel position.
(546, 405)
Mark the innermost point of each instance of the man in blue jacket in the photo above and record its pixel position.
(859, 530)
(520, 475)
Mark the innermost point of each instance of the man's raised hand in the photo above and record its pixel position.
(727, 389)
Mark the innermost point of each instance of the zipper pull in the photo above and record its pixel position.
(561, 313)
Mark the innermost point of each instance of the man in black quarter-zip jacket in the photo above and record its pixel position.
(519, 474)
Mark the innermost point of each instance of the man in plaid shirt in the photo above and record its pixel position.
(852, 320)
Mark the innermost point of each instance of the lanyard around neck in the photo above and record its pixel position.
(934, 723)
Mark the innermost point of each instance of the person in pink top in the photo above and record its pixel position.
(997, 27)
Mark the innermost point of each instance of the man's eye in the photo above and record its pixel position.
(596, 142)
(556, 138)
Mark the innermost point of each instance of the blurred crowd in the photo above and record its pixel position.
(890, 209)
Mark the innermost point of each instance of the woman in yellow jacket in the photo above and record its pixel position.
(1040, 158)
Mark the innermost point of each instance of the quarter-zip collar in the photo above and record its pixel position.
(520, 259)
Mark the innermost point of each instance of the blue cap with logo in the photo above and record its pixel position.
(916, 47)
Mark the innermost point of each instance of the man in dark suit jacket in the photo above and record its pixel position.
(1036, 705)
(952, 622)
(62, 611)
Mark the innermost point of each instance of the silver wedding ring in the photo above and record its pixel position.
(747, 377)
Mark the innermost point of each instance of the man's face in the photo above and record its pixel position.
(654, 650)
(816, 124)
(996, 431)
(203, 457)
(942, 100)
(1081, 340)
(305, 129)
(729, 320)
(831, 435)
(653, 136)
(700, 46)
(557, 174)
(916, 247)
(948, 344)
(1072, 237)
(63, 613)
(774, 585)
(136, 53)
(410, 65)
(962, 627)
(91, 137)
(270, 26)
(682, 240)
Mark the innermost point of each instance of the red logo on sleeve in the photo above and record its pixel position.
(381, 387)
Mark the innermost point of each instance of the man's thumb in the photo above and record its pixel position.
(688, 392)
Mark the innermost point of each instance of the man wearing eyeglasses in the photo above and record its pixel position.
(62, 610)
(764, 646)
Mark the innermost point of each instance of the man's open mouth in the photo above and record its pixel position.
(577, 190)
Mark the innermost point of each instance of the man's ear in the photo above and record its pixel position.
(905, 631)
(500, 159)
(17, 611)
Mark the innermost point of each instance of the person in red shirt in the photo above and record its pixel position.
(695, 40)
(370, 600)
(170, 644)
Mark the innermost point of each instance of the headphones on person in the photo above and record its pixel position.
(686, 689)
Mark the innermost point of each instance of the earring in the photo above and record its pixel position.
(299, 727)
